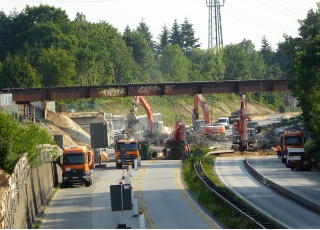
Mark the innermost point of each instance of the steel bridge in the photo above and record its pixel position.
(27, 95)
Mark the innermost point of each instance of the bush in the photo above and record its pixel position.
(19, 138)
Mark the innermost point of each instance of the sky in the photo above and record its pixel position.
(240, 19)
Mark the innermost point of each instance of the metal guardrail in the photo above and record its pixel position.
(245, 211)
(307, 203)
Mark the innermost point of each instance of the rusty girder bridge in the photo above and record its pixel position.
(27, 95)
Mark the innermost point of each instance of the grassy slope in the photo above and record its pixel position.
(171, 106)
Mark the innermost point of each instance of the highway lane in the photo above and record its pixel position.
(157, 186)
(234, 174)
(167, 202)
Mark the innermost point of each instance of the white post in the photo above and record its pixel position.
(135, 208)
(135, 164)
(130, 171)
(139, 161)
(126, 179)
(142, 221)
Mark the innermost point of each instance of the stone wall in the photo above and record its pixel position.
(27, 191)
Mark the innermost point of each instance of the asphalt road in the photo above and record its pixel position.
(234, 174)
(157, 187)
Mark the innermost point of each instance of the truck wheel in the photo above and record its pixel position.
(119, 166)
(87, 183)
(292, 168)
(65, 185)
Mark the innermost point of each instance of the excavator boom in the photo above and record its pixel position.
(198, 99)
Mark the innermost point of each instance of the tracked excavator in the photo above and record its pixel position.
(204, 126)
(244, 138)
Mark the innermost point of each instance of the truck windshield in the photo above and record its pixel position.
(222, 120)
(127, 146)
(293, 140)
(74, 159)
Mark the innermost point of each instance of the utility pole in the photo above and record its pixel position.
(215, 28)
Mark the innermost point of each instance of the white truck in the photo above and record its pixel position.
(299, 160)
(224, 121)
(294, 154)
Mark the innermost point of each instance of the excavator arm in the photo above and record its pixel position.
(198, 99)
(147, 108)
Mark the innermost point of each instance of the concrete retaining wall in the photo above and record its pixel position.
(27, 192)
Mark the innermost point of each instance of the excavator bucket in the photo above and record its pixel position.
(132, 120)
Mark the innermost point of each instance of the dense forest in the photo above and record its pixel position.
(41, 47)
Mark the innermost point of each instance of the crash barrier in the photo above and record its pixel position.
(26, 192)
(307, 203)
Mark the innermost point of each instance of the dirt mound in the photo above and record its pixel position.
(61, 124)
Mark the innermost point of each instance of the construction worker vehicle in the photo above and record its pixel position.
(299, 160)
(290, 139)
(127, 151)
(77, 164)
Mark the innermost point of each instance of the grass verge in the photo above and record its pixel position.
(216, 207)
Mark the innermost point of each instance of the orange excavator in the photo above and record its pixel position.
(147, 108)
(204, 126)
(244, 138)
(154, 127)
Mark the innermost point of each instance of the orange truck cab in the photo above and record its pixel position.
(290, 140)
(126, 152)
(77, 164)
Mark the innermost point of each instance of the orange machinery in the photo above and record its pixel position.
(77, 163)
(207, 127)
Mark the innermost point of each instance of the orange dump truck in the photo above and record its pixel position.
(77, 165)
(290, 140)
(126, 152)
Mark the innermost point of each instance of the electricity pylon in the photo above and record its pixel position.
(215, 28)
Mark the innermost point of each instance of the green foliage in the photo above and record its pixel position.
(44, 47)
(214, 205)
(17, 139)
(57, 67)
(306, 82)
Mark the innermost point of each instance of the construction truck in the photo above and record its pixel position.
(290, 139)
(177, 148)
(77, 164)
(127, 151)
(299, 160)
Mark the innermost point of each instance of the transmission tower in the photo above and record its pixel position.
(215, 28)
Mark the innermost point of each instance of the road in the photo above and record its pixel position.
(157, 187)
(234, 174)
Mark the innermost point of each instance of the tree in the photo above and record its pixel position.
(174, 65)
(175, 37)
(306, 81)
(189, 42)
(163, 40)
(57, 67)
(144, 29)
(17, 72)
(266, 51)
(208, 64)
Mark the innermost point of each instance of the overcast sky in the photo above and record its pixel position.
(241, 19)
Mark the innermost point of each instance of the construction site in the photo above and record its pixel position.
(243, 134)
